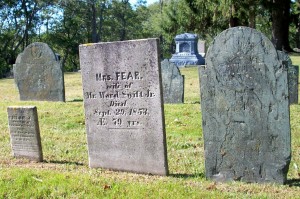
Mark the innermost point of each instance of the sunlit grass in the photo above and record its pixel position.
(65, 172)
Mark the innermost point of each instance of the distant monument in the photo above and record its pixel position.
(38, 74)
(24, 132)
(187, 51)
(173, 83)
(245, 109)
(124, 106)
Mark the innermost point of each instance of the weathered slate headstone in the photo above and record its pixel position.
(293, 77)
(38, 74)
(25, 132)
(245, 109)
(173, 83)
(186, 51)
(123, 106)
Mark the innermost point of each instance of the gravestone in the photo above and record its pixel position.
(186, 51)
(38, 74)
(173, 83)
(25, 132)
(123, 106)
(245, 109)
(293, 76)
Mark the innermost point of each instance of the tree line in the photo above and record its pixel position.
(65, 24)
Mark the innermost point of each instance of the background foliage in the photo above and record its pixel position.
(65, 24)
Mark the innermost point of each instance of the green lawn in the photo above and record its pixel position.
(65, 172)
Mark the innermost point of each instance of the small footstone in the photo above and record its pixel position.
(25, 132)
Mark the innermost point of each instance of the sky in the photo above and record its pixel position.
(132, 2)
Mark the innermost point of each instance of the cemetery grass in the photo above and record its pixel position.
(65, 172)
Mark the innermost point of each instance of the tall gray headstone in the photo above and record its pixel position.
(38, 74)
(123, 106)
(173, 83)
(245, 109)
(293, 77)
(25, 132)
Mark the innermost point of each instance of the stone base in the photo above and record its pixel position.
(183, 60)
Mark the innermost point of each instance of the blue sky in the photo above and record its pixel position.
(132, 2)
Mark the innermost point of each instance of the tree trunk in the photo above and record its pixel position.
(95, 36)
(233, 21)
(252, 16)
(280, 25)
(102, 6)
(298, 32)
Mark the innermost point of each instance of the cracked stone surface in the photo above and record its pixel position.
(245, 109)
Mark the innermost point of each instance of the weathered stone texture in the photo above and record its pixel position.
(245, 110)
(25, 132)
(173, 83)
(293, 77)
(39, 75)
(123, 106)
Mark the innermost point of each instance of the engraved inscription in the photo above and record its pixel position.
(24, 132)
(118, 92)
(118, 76)
(123, 106)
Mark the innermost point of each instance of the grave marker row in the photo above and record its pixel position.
(244, 102)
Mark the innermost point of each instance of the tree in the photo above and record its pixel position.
(68, 31)
(280, 10)
(121, 20)
(18, 22)
(246, 12)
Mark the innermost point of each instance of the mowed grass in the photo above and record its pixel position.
(65, 172)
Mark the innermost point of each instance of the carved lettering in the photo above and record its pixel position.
(89, 95)
(118, 103)
(102, 121)
(113, 95)
(128, 76)
(103, 77)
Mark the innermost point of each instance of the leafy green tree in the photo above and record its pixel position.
(121, 20)
(247, 12)
(19, 20)
(68, 31)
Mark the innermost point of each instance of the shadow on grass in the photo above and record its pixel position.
(65, 162)
(76, 100)
(293, 182)
(187, 176)
(195, 102)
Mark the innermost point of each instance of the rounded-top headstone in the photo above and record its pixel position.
(173, 83)
(245, 114)
(38, 74)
